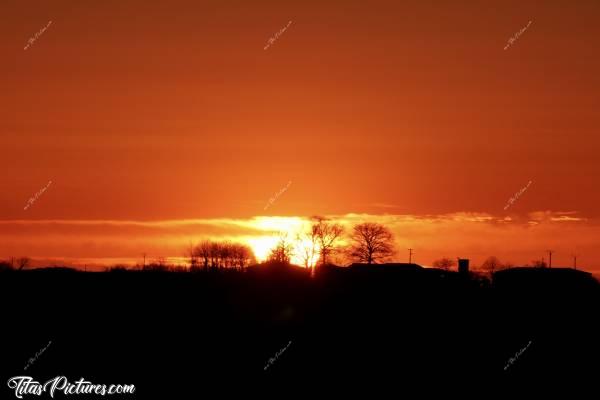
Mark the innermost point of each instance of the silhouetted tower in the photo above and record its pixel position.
(463, 266)
(550, 258)
(410, 256)
(575, 261)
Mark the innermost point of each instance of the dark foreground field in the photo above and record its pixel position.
(181, 335)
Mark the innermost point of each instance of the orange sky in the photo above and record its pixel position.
(173, 111)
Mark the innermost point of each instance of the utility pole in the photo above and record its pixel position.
(410, 256)
(550, 262)
(144, 260)
(575, 261)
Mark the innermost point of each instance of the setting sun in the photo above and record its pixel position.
(292, 229)
(262, 246)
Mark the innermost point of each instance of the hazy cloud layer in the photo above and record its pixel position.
(518, 239)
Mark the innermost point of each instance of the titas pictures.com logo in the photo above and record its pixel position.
(26, 385)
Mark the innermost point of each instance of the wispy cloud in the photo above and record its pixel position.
(555, 216)
(515, 238)
(384, 205)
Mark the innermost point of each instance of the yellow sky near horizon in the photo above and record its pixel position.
(466, 235)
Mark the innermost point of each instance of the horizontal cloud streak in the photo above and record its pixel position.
(514, 238)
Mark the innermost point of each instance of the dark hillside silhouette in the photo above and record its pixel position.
(369, 323)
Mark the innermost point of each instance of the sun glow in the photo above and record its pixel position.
(292, 227)
(262, 246)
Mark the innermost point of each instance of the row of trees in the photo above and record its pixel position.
(491, 264)
(20, 263)
(316, 245)
(217, 255)
(369, 243)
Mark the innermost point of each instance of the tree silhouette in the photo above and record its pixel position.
(491, 264)
(308, 246)
(203, 250)
(223, 255)
(215, 253)
(444, 263)
(282, 252)
(371, 242)
(158, 265)
(508, 265)
(241, 255)
(191, 253)
(328, 234)
(23, 262)
(539, 264)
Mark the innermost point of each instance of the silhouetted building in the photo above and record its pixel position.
(395, 266)
(532, 277)
(463, 265)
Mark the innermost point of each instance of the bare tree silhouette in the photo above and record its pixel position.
(203, 250)
(491, 264)
(223, 255)
(444, 263)
(192, 254)
(508, 265)
(242, 255)
(158, 265)
(215, 253)
(328, 233)
(371, 242)
(23, 262)
(539, 263)
(282, 252)
(308, 246)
